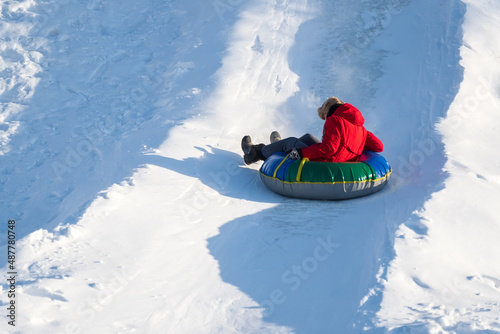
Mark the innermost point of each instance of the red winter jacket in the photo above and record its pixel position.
(344, 137)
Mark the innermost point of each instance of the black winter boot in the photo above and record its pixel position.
(252, 153)
(275, 136)
(246, 144)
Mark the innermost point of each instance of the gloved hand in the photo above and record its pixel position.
(294, 154)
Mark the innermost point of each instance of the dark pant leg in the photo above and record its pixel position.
(287, 144)
(309, 139)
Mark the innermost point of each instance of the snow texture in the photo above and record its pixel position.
(120, 161)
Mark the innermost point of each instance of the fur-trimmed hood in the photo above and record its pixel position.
(350, 113)
(325, 108)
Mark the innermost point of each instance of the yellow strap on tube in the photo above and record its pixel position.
(281, 163)
(299, 172)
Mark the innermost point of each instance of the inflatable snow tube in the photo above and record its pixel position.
(325, 180)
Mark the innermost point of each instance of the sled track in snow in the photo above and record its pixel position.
(123, 128)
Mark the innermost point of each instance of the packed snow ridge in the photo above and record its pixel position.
(126, 205)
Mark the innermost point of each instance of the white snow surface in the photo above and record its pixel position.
(120, 161)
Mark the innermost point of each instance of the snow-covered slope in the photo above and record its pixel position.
(445, 276)
(120, 162)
